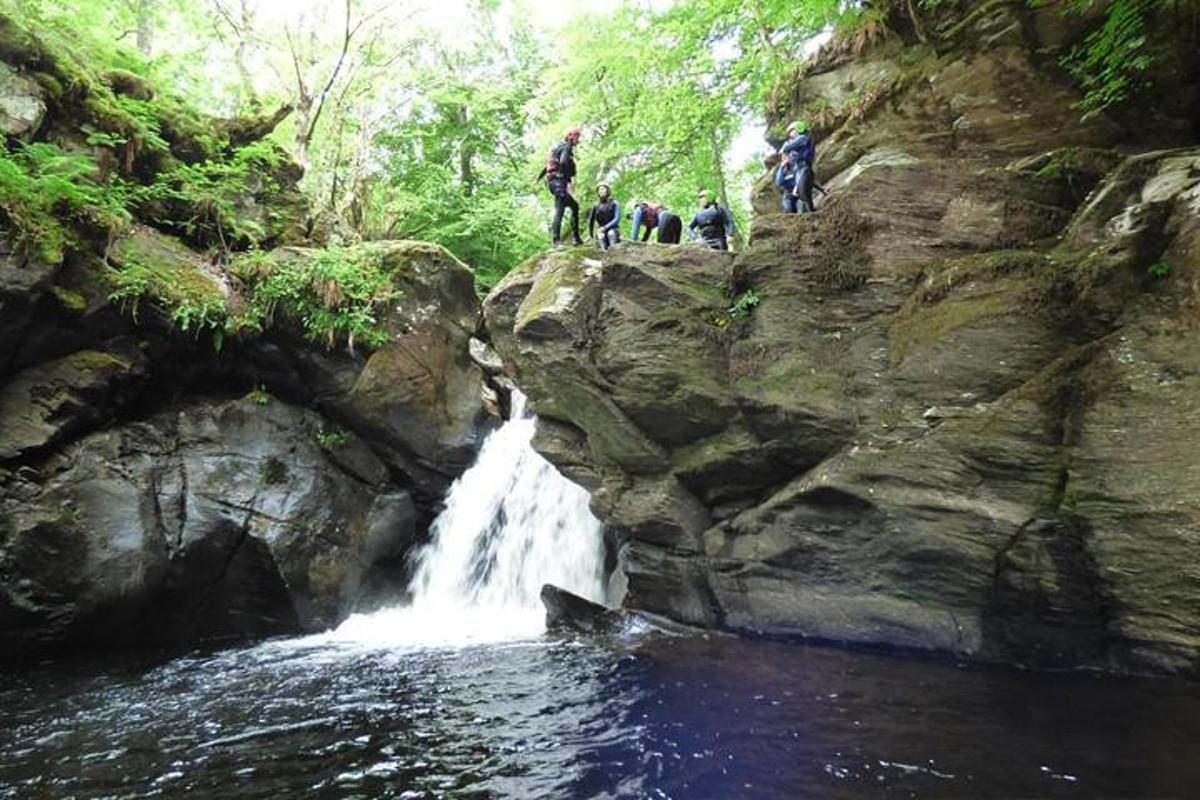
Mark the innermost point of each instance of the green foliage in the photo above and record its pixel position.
(457, 166)
(338, 292)
(1109, 61)
(45, 192)
(1159, 270)
(190, 298)
(214, 193)
(331, 438)
(259, 396)
(743, 304)
(143, 124)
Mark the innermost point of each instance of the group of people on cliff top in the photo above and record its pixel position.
(711, 224)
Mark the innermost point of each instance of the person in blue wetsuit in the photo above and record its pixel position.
(714, 223)
(559, 173)
(786, 178)
(801, 151)
(607, 214)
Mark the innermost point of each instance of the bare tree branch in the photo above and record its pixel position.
(333, 76)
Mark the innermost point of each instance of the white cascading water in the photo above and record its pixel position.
(511, 524)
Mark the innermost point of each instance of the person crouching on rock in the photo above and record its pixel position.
(800, 150)
(559, 173)
(714, 223)
(655, 216)
(607, 214)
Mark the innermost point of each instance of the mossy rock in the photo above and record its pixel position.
(149, 266)
(127, 84)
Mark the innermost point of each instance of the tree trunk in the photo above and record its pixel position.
(145, 26)
(466, 152)
(239, 57)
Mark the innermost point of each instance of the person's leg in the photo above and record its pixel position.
(805, 182)
(789, 203)
(573, 204)
(559, 206)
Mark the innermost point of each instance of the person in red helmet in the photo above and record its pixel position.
(559, 174)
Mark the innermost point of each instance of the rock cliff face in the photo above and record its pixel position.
(963, 416)
(177, 463)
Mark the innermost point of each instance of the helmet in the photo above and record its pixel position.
(574, 132)
(799, 126)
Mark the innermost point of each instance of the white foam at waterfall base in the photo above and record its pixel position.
(511, 524)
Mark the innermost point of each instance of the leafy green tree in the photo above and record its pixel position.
(662, 94)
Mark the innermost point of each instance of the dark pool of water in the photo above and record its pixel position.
(657, 717)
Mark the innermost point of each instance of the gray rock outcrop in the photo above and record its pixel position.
(962, 416)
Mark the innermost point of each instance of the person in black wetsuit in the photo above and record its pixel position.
(714, 223)
(607, 214)
(559, 174)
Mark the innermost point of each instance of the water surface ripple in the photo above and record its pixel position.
(653, 717)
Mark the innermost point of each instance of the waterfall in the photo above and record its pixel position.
(511, 524)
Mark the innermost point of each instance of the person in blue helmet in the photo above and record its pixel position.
(800, 150)
(714, 223)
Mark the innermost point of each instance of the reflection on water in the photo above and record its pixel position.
(660, 717)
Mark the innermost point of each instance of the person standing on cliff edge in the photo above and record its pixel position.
(559, 173)
(800, 151)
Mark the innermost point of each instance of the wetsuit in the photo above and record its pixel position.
(715, 226)
(786, 179)
(606, 213)
(559, 172)
(644, 214)
(670, 227)
(801, 151)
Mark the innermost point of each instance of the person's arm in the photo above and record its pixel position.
(637, 222)
(615, 222)
(779, 175)
(691, 228)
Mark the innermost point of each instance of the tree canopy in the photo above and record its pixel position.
(418, 119)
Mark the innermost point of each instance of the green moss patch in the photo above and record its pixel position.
(331, 294)
(147, 266)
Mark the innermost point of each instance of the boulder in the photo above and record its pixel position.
(22, 104)
(417, 398)
(570, 612)
(936, 445)
(212, 521)
(45, 404)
